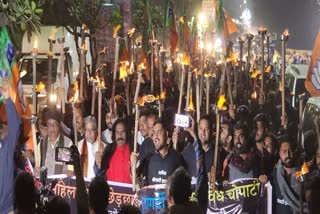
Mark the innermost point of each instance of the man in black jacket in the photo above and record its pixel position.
(160, 165)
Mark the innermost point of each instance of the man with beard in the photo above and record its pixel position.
(114, 164)
(265, 159)
(88, 147)
(241, 163)
(163, 162)
(285, 186)
(225, 149)
(147, 146)
(107, 134)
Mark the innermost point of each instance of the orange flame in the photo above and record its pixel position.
(131, 32)
(142, 65)
(207, 75)
(76, 93)
(286, 32)
(268, 69)
(197, 72)
(221, 101)
(254, 95)
(255, 74)
(115, 31)
(141, 101)
(185, 59)
(262, 29)
(39, 87)
(191, 106)
(83, 46)
(123, 70)
(304, 170)
(162, 96)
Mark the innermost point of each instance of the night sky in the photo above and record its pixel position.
(301, 17)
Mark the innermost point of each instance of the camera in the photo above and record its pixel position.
(183, 121)
(63, 154)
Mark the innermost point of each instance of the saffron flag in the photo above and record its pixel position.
(9, 68)
(230, 26)
(312, 82)
(170, 22)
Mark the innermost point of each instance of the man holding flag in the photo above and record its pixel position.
(7, 147)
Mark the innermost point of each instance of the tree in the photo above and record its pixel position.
(20, 16)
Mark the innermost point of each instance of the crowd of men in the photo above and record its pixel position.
(254, 142)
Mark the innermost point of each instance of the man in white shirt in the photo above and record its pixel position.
(88, 147)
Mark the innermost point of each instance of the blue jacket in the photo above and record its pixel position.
(7, 148)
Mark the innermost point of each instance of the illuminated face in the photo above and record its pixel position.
(150, 122)
(79, 119)
(143, 127)
(286, 154)
(120, 133)
(109, 120)
(268, 145)
(159, 136)
(204, 131)
(53, 128)
(239, 141)
(90, 132)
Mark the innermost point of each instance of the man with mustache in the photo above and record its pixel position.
(107, 134)
(285, 186)
(88, 147)
(147, 145)
(161, 164)
(242, 162)
(55, 138)
(114, 162)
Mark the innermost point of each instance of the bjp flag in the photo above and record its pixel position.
(9, 68)
(312, 82)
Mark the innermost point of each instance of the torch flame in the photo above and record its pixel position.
(304, 170)
(123, 70)
(185, 59)
(286, 32)
(197, 72)
(268, 69)
(142, 65)
(207, 75)
(221, 101)
(254, 95)
(35, 45)
(191, 106)
(39, 87)
(76, 93)
(83, 46)
(131, 32)
(115, 31)
(162, 96)
(255, 74)
(141, 101)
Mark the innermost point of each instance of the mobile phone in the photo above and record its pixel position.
(181, 120)
(63, 154)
